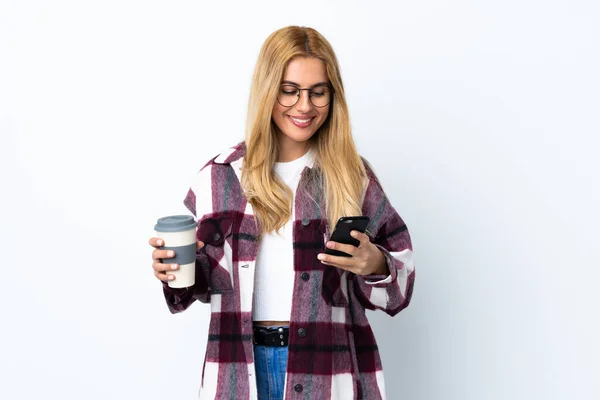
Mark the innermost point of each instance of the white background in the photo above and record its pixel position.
(480, 117)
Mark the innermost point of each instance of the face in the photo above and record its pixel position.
(299, 122)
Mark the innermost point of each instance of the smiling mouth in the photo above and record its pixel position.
(301, 122)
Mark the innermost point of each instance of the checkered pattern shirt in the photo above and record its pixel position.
(332, 351)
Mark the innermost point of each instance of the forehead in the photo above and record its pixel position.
(305, 71)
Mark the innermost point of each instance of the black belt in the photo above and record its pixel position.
(270, 336)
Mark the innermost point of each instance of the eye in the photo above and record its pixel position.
(289, 90)
(319, 91)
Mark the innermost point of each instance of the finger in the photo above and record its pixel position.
(337, 266)
(346, 248)
(156, 242)
(361, 237)
(161, 254)
(164, 267)
(161, 270)
(199, 245)
(164, 277)
(337, 261)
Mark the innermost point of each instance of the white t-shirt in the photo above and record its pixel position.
(274, 276)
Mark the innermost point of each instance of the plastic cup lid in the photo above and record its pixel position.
(175, 223)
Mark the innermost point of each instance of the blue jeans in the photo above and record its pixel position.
(270, 363)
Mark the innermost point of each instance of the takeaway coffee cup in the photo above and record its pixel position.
(179, 234)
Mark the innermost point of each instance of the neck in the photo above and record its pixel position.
(290, 150)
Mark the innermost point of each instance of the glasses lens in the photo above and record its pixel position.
(320, 96)
(288, 95)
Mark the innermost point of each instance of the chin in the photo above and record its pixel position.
(299, 138)
(295, 134)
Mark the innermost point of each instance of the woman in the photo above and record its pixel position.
(287, 320)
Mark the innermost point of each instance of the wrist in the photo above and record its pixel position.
(382, 268)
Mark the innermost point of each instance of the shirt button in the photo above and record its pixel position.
(217, 237)
(305, 221)
(298, 388)
(301, 332)
(305, 276)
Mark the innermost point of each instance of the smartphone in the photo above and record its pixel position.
(341, 233)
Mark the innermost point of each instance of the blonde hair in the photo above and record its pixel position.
(340, 165)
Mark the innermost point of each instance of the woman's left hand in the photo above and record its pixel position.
(366, 259)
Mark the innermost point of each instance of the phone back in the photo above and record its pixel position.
(341, 234)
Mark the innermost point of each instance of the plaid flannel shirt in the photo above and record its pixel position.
(332, 351)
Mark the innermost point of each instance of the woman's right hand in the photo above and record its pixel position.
(161, 269)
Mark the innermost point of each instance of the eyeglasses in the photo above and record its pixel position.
(319, 95)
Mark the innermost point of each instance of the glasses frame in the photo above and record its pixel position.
(299, 93)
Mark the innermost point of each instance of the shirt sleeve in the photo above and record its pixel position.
(179, 299)
(378, 279)
(390, 294)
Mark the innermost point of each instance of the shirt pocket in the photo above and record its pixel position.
(215, 232)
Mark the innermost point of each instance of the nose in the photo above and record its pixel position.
(303, 104)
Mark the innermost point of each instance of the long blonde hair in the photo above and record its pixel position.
(341, 167)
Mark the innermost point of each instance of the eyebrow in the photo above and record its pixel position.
(295, 84)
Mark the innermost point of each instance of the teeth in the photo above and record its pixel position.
(300, 121)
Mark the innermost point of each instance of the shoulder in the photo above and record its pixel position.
(219, 163)
(371, 177)
(230, 155)
(375, 200)
(223, 159)
(205, 186)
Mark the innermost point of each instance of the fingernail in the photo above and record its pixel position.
(321, 257)
(330, 245)
(170, 253)
(171, 277)
(354, 234)
(173, 266)
(159, 242)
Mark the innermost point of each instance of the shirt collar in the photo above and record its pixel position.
(235, 154)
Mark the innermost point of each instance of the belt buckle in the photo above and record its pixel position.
(269, 336)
